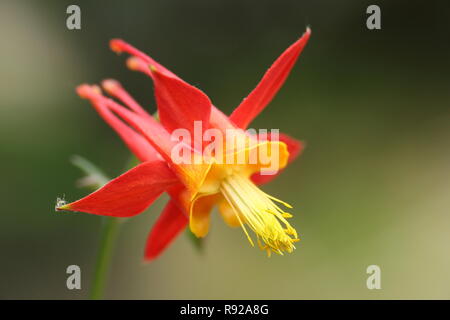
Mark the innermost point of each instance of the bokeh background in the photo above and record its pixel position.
(372, 187)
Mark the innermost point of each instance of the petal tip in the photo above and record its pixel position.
(82, 90)
(62, 205)
(133, 63)
(149, 259)
(116, 45)
(198, 232)
(110, 85)
(151, 254)
(86, 91)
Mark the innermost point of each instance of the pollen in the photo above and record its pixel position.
(260, 212)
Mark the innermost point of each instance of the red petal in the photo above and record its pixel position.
(151, 129)
(119, 46)
(271, 82)
(295, 147)
(141, 62)
(220, 120)
(115, 89)
(190, 174)
(180, 104)
(169, 224)
(217, 118)
(129, 194)
(135, 142)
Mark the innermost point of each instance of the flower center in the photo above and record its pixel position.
(260, 213)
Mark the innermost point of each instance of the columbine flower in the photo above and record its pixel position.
(196, 187)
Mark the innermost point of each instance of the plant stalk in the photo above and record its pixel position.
(108, 238)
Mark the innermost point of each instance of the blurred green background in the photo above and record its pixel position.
(372, 187)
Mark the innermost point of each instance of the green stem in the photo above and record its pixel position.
(108, 235)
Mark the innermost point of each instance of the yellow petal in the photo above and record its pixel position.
(200, 212)
(228, 214)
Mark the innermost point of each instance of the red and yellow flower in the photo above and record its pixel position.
(195, 187)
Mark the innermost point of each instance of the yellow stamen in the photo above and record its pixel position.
(259, 212)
